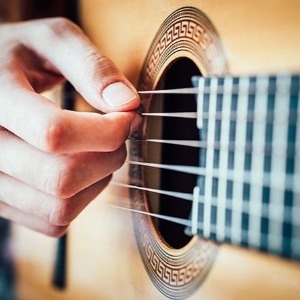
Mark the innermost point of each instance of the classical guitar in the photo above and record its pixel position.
(207, 204)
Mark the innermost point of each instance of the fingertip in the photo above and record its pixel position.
(119, 96)
(135, 124)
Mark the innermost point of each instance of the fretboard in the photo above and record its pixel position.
(250, 192)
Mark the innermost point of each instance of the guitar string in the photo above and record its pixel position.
(264, 213)
(188, 223)
(235, 89)
(267, 149)
(194, 170)
(221, 90)
(251, 116)
(239, 177)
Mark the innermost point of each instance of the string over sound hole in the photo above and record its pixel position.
(178, 75)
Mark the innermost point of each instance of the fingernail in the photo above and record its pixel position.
(135, 124)
(117, 94)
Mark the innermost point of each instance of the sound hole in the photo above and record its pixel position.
(177, 75)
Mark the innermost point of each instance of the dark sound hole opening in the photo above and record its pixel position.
(178, 75)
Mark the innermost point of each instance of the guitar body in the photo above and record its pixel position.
(106, 258)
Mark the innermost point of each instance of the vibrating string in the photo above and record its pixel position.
(263, 212)
(268, 149)
(260, 210)
(214, 201)
(267, 179)
(251, 116)
(186, 222)
(176, 220)
(222, 90)
(236, 89)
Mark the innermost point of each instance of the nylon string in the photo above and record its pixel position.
(185, 222)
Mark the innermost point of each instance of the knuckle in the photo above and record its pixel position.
(61, 181)
(55, 231)
(97, 71)
(53, 134)
(62, 213)
(59, 26)
(105, 68)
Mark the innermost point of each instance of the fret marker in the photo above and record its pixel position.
(195, 214)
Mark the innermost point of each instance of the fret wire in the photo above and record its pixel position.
(230, 176)
(221, 212)
(295, 244)
(223, 205)
(278, 165)
(255, 201)
(202, 125)
(209, 159)
(239, 163)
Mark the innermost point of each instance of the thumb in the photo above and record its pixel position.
(93, 74)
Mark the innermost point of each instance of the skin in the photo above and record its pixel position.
(54, 162)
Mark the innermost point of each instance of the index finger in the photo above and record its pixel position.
(93, 75)
(47, 127)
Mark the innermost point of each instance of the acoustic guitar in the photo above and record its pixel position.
(207, 205)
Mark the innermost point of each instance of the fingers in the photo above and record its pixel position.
(42, 212)
(41, 123)
(94, 75)
(45, 126)
(91, 131)
(19, 217)
(62, 175)
(53, 162)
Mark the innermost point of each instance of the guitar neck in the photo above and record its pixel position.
(249, 192)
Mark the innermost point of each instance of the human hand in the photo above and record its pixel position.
(53, 162)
